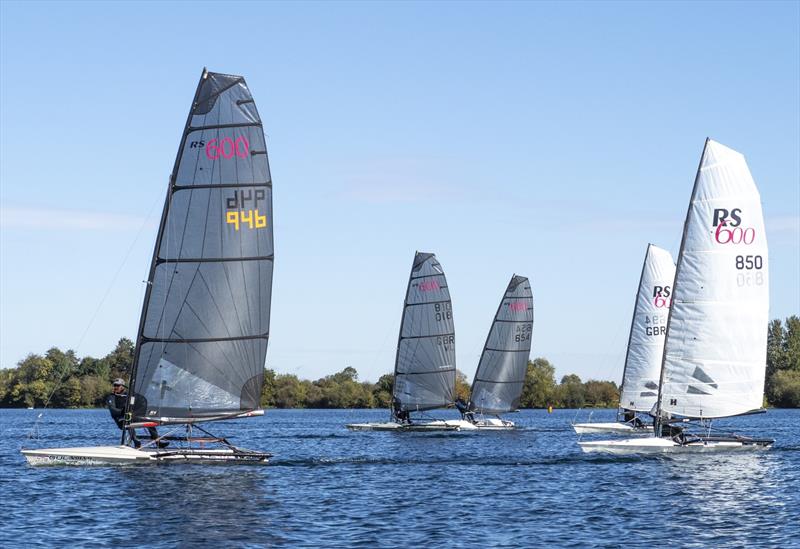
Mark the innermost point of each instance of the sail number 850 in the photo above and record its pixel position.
(749, 262)
(444, 311)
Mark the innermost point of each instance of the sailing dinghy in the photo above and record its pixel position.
(425, 364)
(714, 357)
(500, 376)
(642, 369)
(204, 327)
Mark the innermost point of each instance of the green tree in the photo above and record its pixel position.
(539, 388)
(120, 360)
(571, 392)
(289, 391)
(791, 343)
(776, 352)
(601, 394)
(382, 392)
(462, 386)
(32, 384)
(268, 389)
(90, 366)
(786, 389)
(783, 359)
(68, 394)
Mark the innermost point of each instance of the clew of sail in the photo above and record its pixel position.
(639, 390)
(425, 366)
(203, 334)
(715, 349)
(501, 371)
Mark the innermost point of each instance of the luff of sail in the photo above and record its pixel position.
(642, 372)
(203, 334)
(504, 361)
(425, 366)
(715, 350)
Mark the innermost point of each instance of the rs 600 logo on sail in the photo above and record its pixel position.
(728, 229)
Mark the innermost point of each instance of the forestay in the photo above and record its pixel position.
(425, 366)
(715, 350)
(501, 371)
(648, 330)
(202, 339)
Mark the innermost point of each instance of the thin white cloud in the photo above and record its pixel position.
(393, 189)
(783, 224)
(56, 219)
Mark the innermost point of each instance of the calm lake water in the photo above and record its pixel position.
(329, 487)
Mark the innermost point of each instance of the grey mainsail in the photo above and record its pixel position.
(425, 366)
(202, 338)
(501, 371)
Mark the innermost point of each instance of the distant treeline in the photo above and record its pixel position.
(84, 382)
(783, 363)
(72, 382)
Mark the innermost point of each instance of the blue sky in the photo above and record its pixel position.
(553, 140)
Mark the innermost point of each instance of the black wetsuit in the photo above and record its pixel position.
(463, 408)
(116, 405)
(401, 415)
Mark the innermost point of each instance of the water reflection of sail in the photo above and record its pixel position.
(731, 483)
(201, 503)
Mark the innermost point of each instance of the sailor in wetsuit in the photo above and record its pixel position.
(116, 405)
(675, 432)
(631, 417)
(402, 415)
(463, 408)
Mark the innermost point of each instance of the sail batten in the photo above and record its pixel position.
(714, 358)
(425, 365)
(500, 375)
(204, 329)
(643, 358)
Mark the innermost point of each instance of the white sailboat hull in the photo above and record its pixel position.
(615, 427)
(434, 425)
(494, 424)
(490, 424)
(125, 455)
(657, 445)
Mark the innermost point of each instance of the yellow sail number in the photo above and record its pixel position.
(248, 218)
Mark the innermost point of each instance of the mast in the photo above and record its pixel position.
(657, 423)
(400, 334)
(131, 401)
(630, 333)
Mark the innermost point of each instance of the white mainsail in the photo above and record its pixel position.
(715, 349)
(648, 331)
